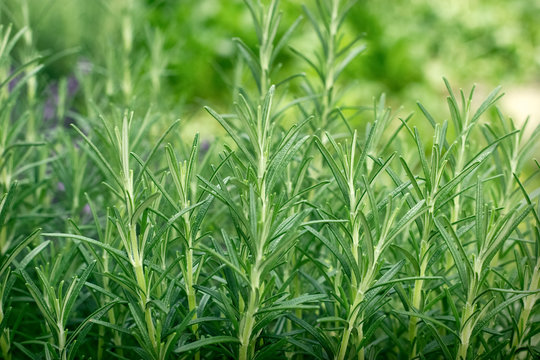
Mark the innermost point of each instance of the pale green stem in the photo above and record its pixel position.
(127, 40)
(190, 290)
(454, 216)
(248, 320)
(465, 334)
(330, 60)
(192, 303)
(416, 303)
(419, 284)
(355, 314)
(467, 322)
(61, 338)
(351, 323)
(458, 169)
(117, 340)
(528, 304)
(143, 292)
(362, 350)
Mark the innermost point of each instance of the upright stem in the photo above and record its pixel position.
(454, 216)
(117, 339)
(419, 284)
(355, 314)
(136, 251)
(62, 341)
(248, 320)
(416, 303)
(127, 41)
(458, 169)
(192, 303)
(351, 323)
(31, 84)
(360, 329)
(330, 60)
(358, 286)
(189, 280)
(143, 294)
(465, 334)
(467, 322)
(528, 304)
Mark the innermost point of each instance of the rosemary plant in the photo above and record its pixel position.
(331, 59)
(17, 160)
(294, 233)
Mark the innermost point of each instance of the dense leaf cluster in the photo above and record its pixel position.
(295, 236)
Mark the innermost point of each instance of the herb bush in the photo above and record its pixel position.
(296, 235)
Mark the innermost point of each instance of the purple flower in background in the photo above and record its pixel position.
(52, 100)
(60, 186)
(51, 104)
(72, 86)
(86, 209)
(49, 110)
(205, 146)
(13, 83)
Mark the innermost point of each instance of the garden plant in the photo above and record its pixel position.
(307, 227)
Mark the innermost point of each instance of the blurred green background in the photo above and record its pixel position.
(180, 55)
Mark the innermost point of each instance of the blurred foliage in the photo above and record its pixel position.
(85, 62)
(411, 45)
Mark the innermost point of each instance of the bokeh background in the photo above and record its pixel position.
(181, 55)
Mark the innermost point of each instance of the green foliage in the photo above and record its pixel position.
(297, 234)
